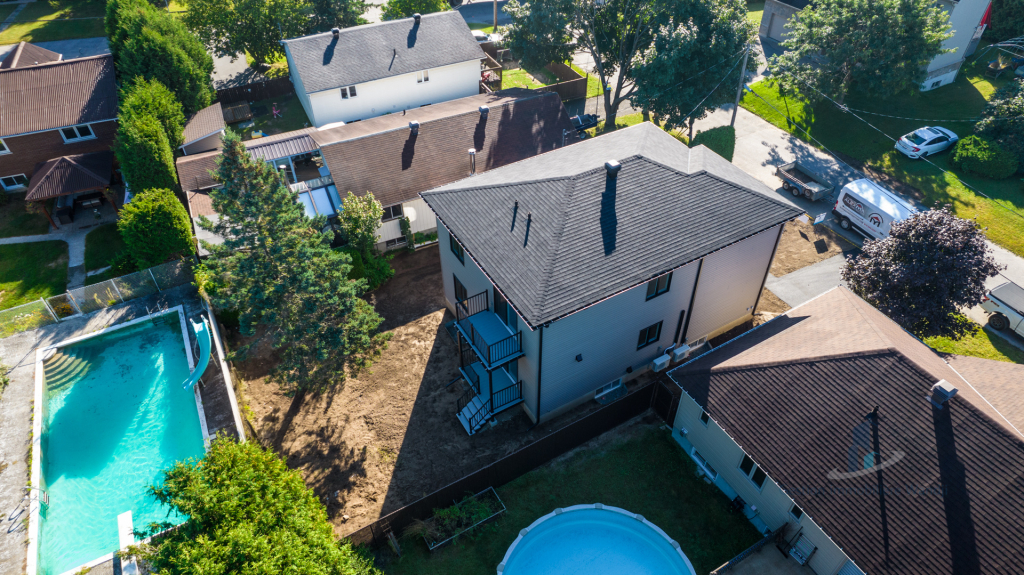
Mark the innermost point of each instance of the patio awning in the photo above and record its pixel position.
(70, 175)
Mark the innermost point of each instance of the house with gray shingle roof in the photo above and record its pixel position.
(859, 446)
(573, 272)
(365, 71)
(204, 130)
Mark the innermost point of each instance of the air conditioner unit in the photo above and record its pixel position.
(660, 362)
(680, 352)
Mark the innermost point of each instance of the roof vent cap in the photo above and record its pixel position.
(335, 32)
(484, 110)
(414, 127)
(416, 17)
(612, 167)
(942, 392)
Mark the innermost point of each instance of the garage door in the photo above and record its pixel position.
(777, 27)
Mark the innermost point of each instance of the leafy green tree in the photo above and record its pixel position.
(256, 27)
(360, 219)
(151, 98)
(276, 268)
(248, 513)
(672, 75)
(1003, 119)
(144, 153)
(153, 44)
(931, 265)
(328, 14)
(155, 228)
(1007, 19)
(395, 9)
(881, 46)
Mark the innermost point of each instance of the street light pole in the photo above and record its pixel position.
(743, 81)
(495, 17)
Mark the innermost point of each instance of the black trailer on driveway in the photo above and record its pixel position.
(801, 181)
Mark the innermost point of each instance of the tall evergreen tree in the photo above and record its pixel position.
(152, 98)
(276, 268)
(144, 153)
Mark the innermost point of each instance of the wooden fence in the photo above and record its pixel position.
(256, 91)
(571, 86)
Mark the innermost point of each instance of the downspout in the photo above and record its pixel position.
(693, 296)
(768, 269)
(540, 364)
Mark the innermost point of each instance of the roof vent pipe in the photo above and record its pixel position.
(335, 32)
(484, 110)
(942, 392)
(612, 167)
(414, 127)
(472, 161)
(416, 17)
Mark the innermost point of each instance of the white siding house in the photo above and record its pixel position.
(604, 267)
(366, 71)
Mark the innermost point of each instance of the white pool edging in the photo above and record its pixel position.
(42, 354)
(598, 506)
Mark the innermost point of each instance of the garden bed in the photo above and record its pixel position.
(451, 522)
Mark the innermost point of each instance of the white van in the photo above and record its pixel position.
(870, 209)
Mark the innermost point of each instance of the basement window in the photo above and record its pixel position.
(704, 464)
(395, 242)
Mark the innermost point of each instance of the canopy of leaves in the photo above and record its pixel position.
(276, 268)
(153, 44)
(395, 9)
(155, 228)
(1007, 19)
(248, 513)
(360, 219)
(698, 50)
(144, 153)
(982, 156)
(882, 46)
(151, 98)
(1007, 102)
(328, 14)
(930, 266)
(233, 27)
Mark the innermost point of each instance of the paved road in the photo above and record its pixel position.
(482, 12)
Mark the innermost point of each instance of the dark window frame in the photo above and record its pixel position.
(399, 241)
(752, 470)
(654, 291)
(389, 213)
(705, 417)
(645, 339)
(457, 248)
(795, 512)
(457, 287)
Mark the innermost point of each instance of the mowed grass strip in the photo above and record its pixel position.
(648, 474)
(983, 344)
(31, 271)
(101, 245)
(16, 221)
(49, 20)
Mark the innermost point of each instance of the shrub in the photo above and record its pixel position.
(151, 98)
(395, 9)
(123, 263)
(145, 155)
(156, 228)
(1002, 120)
(378, 270)
(358, 268)
(977, 155)
(720, 140)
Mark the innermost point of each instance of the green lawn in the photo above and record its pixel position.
(649, 475)
(982, 344)
(15, 221)
(48, 20)
(486, 28)
(5, 10)
(520, 78)
(101, 245)
(754, 11)
(292, 118)
(31, 271)
(843, 133)
(593, 81)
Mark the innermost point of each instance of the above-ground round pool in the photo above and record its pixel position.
(594, 540)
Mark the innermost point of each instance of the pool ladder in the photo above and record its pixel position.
(43, 498)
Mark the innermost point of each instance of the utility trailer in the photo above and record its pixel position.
(801, 181)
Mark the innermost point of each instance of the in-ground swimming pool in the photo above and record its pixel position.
(114, 415)
(594, 540)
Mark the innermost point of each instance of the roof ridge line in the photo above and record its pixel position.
(364, 26)
(882, 351)
(556, 237)
(436, 192)
(982, 396)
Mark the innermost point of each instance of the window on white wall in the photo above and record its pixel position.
(391, 212)
(77, 133)
(704, 418)
(348, 92)
(659, 286)
(753, 472)
(423, 76)
(796, 512)
(704, 464)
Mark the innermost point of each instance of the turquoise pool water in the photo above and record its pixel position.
(114, 417)
(594, 542)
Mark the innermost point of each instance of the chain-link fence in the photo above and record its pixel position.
(85, 300)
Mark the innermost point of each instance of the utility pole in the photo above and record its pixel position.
(495, 17)
(743, 81)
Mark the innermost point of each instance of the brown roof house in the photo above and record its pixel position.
(866, 449)
(399, 155)
(52, 110)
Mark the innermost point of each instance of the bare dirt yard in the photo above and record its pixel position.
(388, 436)
(803, 244)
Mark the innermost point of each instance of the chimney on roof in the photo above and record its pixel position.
(472, 161)
(416, 17)
(612, 167)
(414, 127)
(942, 392)
(335, 32)
(484, 110)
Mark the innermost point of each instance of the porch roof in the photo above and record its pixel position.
(70, 174)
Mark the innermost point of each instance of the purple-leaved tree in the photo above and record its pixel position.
(930, 266)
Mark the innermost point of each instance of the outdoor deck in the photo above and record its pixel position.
(484, 331)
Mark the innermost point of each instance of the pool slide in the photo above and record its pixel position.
(203, 336)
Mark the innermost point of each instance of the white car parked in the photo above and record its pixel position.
(926, 142)
(1005, 304)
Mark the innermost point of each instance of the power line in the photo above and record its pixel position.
(930, 120)
(713, 91)
(708, 69)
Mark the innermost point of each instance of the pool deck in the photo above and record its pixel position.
(18, 352)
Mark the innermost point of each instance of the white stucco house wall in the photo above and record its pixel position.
(352, 74)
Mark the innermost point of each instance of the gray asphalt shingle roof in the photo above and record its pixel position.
(375, 51)
(555, 236)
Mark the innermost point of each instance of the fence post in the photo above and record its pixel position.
(150, 270)
(49, 310)
(116, 290)
(74, 304)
